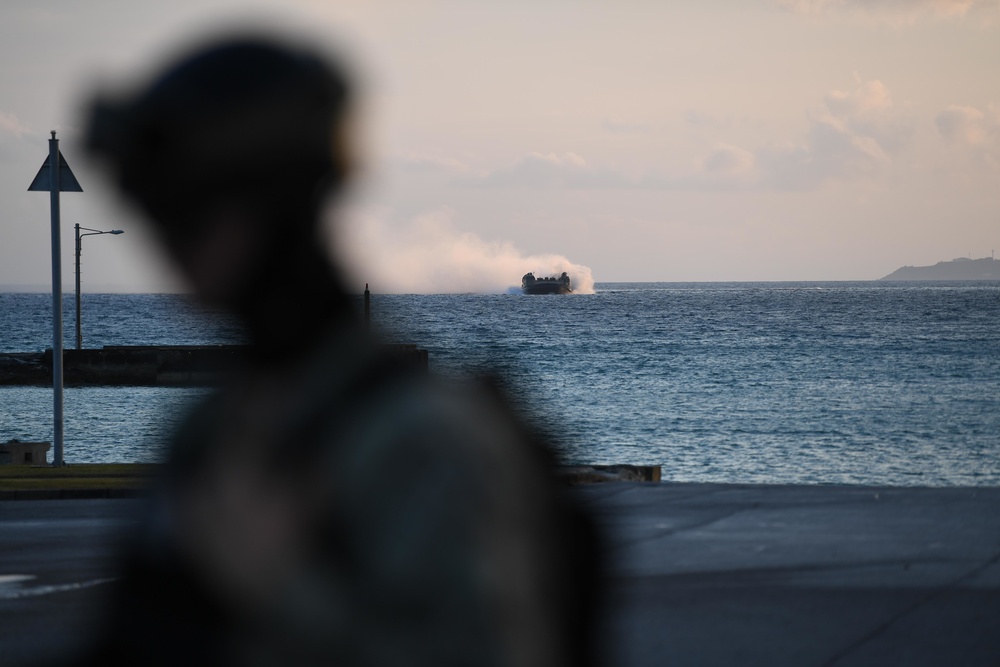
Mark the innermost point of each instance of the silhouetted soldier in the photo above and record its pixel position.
(330, 506)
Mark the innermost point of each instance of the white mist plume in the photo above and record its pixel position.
(429, 256)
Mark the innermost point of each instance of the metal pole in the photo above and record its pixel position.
(79, 249)
(79, 334)
(57, 329)
(368, 308)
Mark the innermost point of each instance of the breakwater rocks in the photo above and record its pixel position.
(146, 365)
(608, 473)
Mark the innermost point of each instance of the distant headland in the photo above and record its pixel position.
(962, 268)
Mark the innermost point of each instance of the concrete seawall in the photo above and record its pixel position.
(146, 365)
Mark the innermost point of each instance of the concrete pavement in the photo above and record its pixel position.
(55, 556)
(708, 574)
(701, 574)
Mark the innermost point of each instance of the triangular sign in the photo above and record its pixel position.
(67, 181)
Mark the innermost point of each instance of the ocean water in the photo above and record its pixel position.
(856, 383)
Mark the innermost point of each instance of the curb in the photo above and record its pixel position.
(70, 494)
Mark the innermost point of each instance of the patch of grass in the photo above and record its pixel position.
(77, 476)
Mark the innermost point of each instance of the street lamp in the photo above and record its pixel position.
(92, 232)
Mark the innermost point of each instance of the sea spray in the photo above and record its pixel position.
(428, 255)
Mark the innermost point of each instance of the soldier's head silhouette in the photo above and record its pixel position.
(231, 153)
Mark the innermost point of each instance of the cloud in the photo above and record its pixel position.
(973, 130)
(869, 112)
(710, 121)
(619, 126)
(724, 167)
(729, 161)
(855, 134)
(895, 12)
(549, 170)
(872, 96)
(427, 254)
(701, 119)
(9, 124)
(18, 143)
(431, 163)
(965, 125)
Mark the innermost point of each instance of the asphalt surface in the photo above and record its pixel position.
(56, 557)
(801, 575)
(700, 574)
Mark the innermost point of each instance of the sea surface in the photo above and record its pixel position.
(838, 382)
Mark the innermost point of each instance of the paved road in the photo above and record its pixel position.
(54, 557)
(799, 575)
(701, 574)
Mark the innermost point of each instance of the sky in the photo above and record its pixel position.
(620, 141)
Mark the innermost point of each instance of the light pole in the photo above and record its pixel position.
(92, 232)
